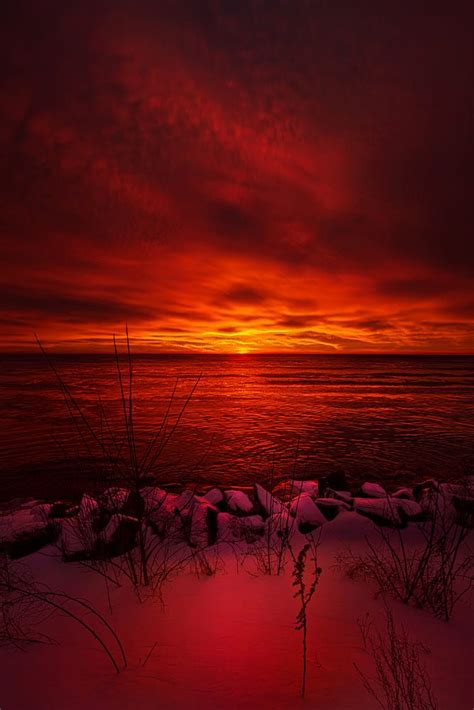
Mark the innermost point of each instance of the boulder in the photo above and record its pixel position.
(119, 536)
(238, 502)
(231, 528)
(306, 513)
(409, 510)
(113, 499)
(25, 531)
(383, 511)
(88, 507)
(404, 493)
(373, 490)
(267, 502)
(153, 498)
(345, 496)
(331, 506)
(202, 523)
(464, 507)
(215, 496)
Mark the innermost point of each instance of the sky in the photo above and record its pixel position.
(237, 176)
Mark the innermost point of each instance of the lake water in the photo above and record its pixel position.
(388, 418)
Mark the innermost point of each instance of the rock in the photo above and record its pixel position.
(24, 532)
(307, 513)
(464, 507)
(383, 511)
(404, 493)
(119, 536)
(63, 509)
(231, 528)
(238, 502)
(203, 524)
(345, 496)
(134, 505)
(113, 499)
(309, 487)
(373, 490)
(77, 539)
(88, 507)
(409, 510)
(215, 496)
(27, 530)
(184, 502)
(154, 498)
(331, 506)
(267, 502)
(163, 513)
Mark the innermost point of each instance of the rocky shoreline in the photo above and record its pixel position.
(106, 525)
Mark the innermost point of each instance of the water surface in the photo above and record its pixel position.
(388, 418)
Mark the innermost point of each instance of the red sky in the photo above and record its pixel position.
(237, 176)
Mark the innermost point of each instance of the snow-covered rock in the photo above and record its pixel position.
(409, 509)
(345, 496)
(238, 502)
(267, 501)
(381, 510)
(88, 507)
(153, 498)
(309, 487)
(117, 527)
(331, 506)
(200, 532)
(185, 502)
(25, 531)
(231, 528)
(373, 490)
(404, 493)
(307, 513)
(215, 496)
(113, 499)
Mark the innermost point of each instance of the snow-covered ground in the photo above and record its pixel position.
(228, 641)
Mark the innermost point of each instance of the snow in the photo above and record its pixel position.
(228, 642)
(373, 490)
(238, 501)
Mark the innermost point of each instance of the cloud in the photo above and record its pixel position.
(254, 170)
